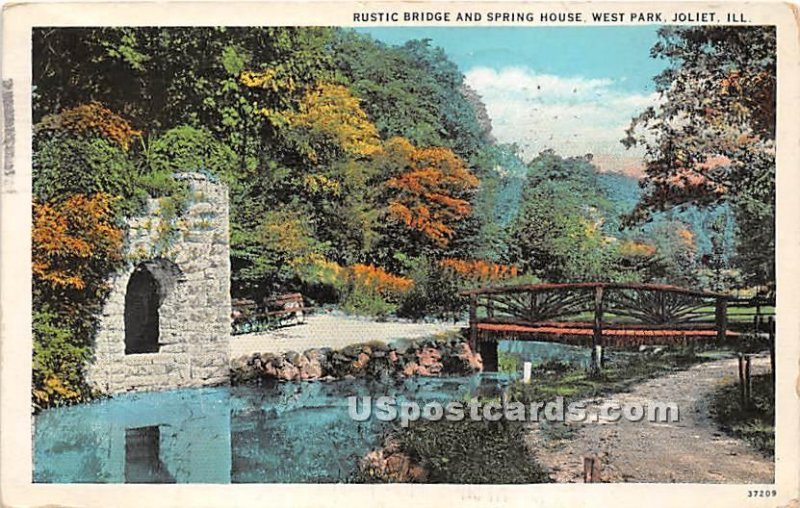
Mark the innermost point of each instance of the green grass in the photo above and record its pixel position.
(507, 362)
(576, 383)
(754, 424)
(472, 452)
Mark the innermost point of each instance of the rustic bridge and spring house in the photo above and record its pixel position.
(593, 314)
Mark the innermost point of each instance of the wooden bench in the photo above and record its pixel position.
(289, 306)
(248, 316)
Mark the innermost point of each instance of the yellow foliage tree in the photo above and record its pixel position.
(331, 117)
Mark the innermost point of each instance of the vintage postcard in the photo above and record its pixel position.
(381, 254)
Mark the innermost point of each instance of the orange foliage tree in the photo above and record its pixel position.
(93, 118)
(76, 243)
(377, 279)
(431, 194)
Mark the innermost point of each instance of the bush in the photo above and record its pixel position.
(361, 301)
(187, 149)
(65, 165)
(362, 289)
(435, 292)
(58, 359)
(92, 119)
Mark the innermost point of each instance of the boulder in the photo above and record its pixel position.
(430, 361)
(287, 371)
(390, 464)
(310, 365)
(362, 360)
(411, 369)
(472, 360)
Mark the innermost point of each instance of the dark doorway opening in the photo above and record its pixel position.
(141, 313)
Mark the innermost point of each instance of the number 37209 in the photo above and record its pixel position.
(762, 493)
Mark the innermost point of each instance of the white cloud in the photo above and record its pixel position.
(572, 115)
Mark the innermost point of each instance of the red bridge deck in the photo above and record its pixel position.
(612, 336)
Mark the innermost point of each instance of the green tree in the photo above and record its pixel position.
(711, 139)
(557, 234)
(413, 91)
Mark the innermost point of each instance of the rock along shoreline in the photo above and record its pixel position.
(374, 360)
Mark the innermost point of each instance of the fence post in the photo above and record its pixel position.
(742, 394)
(591, 469)
(597, 332)
(748, 381)
(473, 322)
(722, 317)
(771, 332)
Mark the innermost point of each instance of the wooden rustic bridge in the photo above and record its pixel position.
(595, 314)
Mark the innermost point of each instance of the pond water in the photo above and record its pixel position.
(272, 433)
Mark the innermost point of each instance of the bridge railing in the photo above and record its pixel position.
(599, 306)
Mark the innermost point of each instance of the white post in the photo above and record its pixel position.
(526, 372)
(598, 354)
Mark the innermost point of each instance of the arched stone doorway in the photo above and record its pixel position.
(149, 285)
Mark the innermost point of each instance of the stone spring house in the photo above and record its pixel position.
(166, 322)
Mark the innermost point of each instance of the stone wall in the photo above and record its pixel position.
(188, 258)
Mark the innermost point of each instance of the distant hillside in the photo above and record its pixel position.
(623, 192)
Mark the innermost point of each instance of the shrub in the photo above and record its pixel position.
(362, 289)
(67, 165)
(478, 270)
(367, 303)
(378, 280)
(435, 292)
(58, 360)
(187, 149)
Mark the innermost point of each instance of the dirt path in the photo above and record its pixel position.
(334, 331)
(691, 450)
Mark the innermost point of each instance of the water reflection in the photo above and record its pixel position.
(143, 462)
(272, 433)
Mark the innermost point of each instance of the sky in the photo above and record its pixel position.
(572, 89)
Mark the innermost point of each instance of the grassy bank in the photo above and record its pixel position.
(754, 423)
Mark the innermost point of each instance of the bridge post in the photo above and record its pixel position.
(488, 350)
(473, 322)
(597, 332)
(721, 316)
